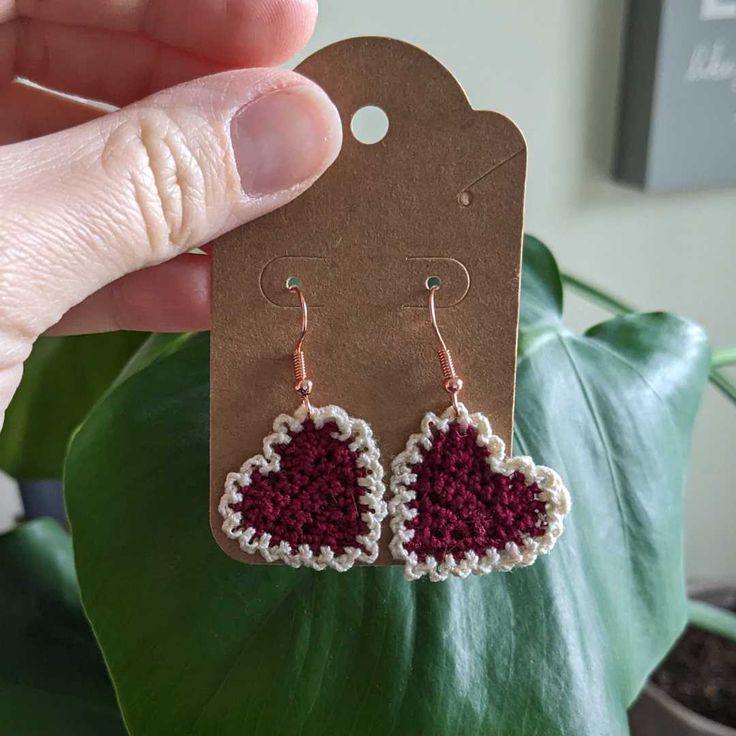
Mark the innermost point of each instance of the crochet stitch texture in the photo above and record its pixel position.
(314, 497)
(459, 506)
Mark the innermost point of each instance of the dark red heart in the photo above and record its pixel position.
(463, 506)
(313, 499)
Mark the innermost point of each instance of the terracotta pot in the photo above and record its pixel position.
(656, 713)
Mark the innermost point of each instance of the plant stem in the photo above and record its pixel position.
(724, 384)
(724, 357)
(596, 295)
(711, 618)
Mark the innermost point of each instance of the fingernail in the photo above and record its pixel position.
(285, 138)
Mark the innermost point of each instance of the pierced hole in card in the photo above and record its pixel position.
(369, 125)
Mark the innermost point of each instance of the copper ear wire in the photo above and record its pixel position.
(453, 382)
(302, 384)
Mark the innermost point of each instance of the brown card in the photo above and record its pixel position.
(442, 194)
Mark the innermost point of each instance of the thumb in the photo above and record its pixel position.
(83, 207)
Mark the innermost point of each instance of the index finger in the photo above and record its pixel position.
(232, 33)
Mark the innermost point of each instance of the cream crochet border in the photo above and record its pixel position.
(361, 441)
(553, 493)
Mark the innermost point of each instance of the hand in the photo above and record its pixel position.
(89, 210)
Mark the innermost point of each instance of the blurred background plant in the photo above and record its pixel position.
(62, 379)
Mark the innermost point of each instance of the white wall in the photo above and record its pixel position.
(553, 66)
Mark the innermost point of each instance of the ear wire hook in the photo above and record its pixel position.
(453, 382)
(302, 384)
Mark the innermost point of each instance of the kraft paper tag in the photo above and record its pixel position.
(442, 194)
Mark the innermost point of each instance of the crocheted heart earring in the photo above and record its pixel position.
(459, 505)
(314, 497)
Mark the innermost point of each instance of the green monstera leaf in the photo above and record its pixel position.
(200, 644)
(62, 378)
(52, 678)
